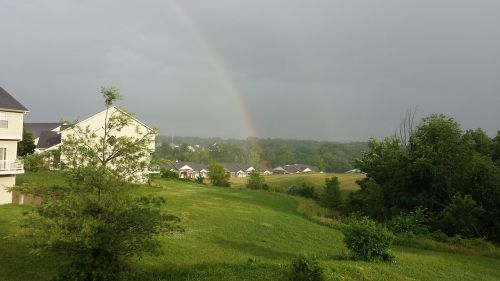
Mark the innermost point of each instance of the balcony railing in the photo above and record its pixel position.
(11, 166)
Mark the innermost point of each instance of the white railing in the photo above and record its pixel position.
(11, 165)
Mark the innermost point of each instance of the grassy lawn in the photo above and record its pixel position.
(225, 227)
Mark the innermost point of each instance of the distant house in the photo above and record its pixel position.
(354, 171)
(236, 170)
(11, 132)
(263, 170)
(188, 170)
(295, 169)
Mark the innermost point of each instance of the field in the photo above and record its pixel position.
(281, 182)
(240, 234)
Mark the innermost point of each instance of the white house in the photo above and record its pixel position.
(49, 136)
(11, 132)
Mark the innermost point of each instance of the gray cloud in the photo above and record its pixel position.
(338, 70)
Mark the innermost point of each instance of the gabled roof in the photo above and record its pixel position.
(48, 139)
(195, 166)
(9, 103)
(36, 129)
(234, 167)
(299, 168)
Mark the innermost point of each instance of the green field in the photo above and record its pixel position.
(225, 227)
(281, 182)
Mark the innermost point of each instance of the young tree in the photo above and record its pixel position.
(217, 175)
(331, 197)
(27, 145)
(96, 223)
(256, 181)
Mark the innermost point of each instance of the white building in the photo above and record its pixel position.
(50, 136)
(11, 132)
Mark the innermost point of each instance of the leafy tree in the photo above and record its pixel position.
(332, 198)
(438, 162)
(495, 147)
(95, 222)
(479, 141)
(461, 216)
(256, 181)
(27, 145)
(217, 175)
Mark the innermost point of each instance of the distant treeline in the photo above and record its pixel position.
(328, 156)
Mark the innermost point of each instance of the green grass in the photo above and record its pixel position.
(282, 182)
(225, 227)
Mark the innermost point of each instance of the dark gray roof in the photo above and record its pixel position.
(48, 139)
(36, 129)
(234, 167)
(8, 102)
(294, 168)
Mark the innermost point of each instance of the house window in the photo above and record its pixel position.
(4, 119)
(3, 157)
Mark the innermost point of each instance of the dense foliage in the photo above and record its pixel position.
(303, 190)
(328, 156)
(26, 145)
(367, 240)
(442, 169)
(306, 269)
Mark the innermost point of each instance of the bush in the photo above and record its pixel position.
(302, 190)
(306, 269)
(412, 223)
(199, 180)
(167, 174)
(35, 163)
(367, 240)
(256, 181)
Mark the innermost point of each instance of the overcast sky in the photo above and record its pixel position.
(311, 69)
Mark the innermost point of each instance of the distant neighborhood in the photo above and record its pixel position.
(191, 170)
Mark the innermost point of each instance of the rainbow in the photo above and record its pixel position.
(217, 61)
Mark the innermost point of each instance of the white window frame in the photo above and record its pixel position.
(4, 120)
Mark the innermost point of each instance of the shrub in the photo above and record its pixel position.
(306, 269)
(412, 223)
(302, 190)
(256, 181)
(199, 180)
(35, 163)
(367, 240)
(167, 174)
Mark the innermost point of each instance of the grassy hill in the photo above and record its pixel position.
(226, 227)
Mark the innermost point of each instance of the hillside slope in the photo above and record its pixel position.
(225, 228)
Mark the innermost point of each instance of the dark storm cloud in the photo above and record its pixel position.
(341, 70)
